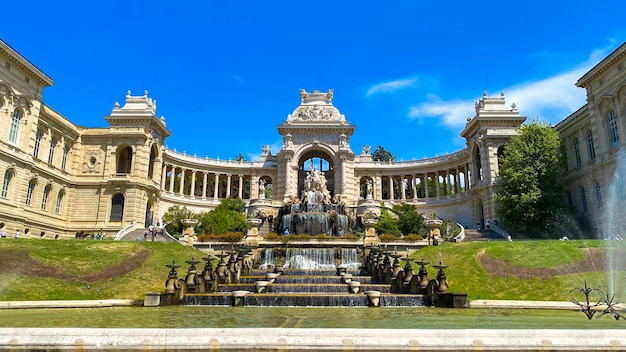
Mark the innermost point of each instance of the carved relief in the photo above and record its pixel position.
(92, 161)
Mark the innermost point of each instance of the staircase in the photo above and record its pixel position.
(473, 235)
(138, 233)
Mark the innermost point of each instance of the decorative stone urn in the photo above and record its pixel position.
(433, 228)
(354, 286)
(261, 286)
(252, 236)
(238, 297)
(189, 233)
(346, 278)
(370, 239)
(374, 298)
(271, 277)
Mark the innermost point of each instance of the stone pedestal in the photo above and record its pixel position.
(371, 238)
(252, 236)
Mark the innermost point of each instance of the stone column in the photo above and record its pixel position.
(402, 187)
(163, 176)
(426, 191)
(240, 193)
(437, 195)
(457, 182)
(287, 177)
(204, 182)
(182, 182)
(228, 180)
(414, 186)
(391, 188)
(448, 188)
(216, 186)
(378, 191)
(192, 192)
(172, 175)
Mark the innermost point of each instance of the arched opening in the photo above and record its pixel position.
(265, 187)
(319, 161)
(124, 159)
(153, 156)
(366, 187)
(117, 207)
(478, 170)
(480, 215)
(149, 213)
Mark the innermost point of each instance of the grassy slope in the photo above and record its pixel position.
(464, 273)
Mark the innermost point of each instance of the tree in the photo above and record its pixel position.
(387, 224)
(409, 220)
(228, 216)
(380, 154)
(173, 216)
(530, 179)
(240, 157)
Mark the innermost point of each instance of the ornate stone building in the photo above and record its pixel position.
(60, 178)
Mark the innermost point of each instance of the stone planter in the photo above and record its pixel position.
(239, 298)
(261, 286)
(354, 286)
(374, 298)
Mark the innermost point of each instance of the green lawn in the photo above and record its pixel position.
(80, 257)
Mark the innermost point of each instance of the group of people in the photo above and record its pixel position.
(152, 231)
(3, 233)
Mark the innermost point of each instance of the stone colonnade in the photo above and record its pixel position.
(194, 183)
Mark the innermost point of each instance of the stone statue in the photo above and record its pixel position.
(266, 149)
(262, 189)
(366, 150)
(368, 189)
(329, 95)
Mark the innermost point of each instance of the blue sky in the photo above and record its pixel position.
(225, 74)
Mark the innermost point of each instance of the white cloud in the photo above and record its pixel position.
(239, 79)
(391, 86)
(552, 98)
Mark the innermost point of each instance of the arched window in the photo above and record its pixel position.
(15, 125)
(153, 156)
(124, 159)
(6, 183)
(577, 152)
(46, 194)
(598, 195)
(583, 199)
(590, 148)
(613, 130)
(30, 191)
(37, 144)
(53, 145)
(117, 207)
(66, 152)
(57, 209)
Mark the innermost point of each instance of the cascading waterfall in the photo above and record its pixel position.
(269, 259)
(310, 258)
(349, 260)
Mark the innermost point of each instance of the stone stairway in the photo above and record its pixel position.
(138, 233)
(473, 235)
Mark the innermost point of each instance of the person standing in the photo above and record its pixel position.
(487, 225)
(17, 233)
(3, 233)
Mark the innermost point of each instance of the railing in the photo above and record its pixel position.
(217, 162)
(125, 230)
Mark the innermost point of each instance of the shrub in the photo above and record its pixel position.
(388, 237)
(413, 237)
(231, 237)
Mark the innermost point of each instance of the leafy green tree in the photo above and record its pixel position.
(387, 223)
(409, 220)
(530, 178)
(380, 154)
(172, 218)
(240, 157)
(228, 216)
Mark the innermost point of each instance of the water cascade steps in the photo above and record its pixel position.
(305, 287)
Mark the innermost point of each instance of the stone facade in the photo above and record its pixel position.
(60, 178)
